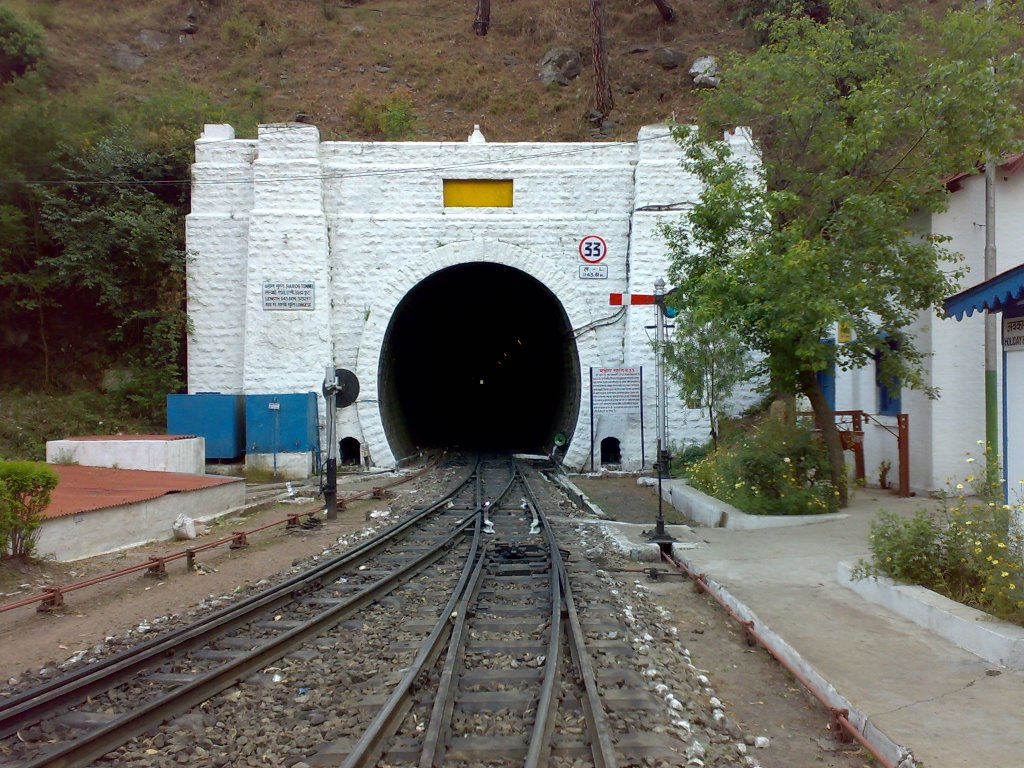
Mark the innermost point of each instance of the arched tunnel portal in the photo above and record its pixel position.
(478, 356)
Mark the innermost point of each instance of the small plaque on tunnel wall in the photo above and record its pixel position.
(288, 295)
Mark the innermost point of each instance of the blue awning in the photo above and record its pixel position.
(993, 295)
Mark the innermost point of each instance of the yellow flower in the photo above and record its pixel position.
(1001, 545)
(970, 461)
(1012, 586)
(959, 486)
(995, 562)
(1004, 574)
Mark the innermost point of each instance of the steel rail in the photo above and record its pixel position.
(439, 726)
(387, 721)
(839, 715)
(34, 704)
(539, 752)
(98, 743)
(601, 745)
(56, 593)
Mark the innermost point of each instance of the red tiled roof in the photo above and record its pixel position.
(1007, 167)
(83, 489)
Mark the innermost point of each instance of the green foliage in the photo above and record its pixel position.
(778, 468)
(120, 247)
(762, 13)
(21, 46)
(963, 550)
(29, 418)
(686, 458)
(101, 245)
(243, 31)
(856, 122)
(820, 234)
(390, 117)
(707, 359)
(25, 489)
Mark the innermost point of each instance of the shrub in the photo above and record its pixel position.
(777, 468)
(25, 489)
(390, 118)
(690, 455)
(963, 550)
(21, 46)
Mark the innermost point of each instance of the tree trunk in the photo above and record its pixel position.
(43, 341)
(483, 17)
(667, 14)
(602, 86)
(825, 420)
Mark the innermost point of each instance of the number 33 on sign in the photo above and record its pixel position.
(593, 249)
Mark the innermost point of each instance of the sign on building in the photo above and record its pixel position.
(616, 390)
(288, 295)
(1013, 333)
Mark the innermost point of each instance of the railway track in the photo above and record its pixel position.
(464, 635)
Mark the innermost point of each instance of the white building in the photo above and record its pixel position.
(945, 432)
(424, 267)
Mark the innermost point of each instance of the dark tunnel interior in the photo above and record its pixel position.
(478, 356)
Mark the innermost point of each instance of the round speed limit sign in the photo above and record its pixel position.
(593, 249)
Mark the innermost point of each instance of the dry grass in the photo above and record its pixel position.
(282, 57)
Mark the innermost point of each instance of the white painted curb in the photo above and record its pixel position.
(976, 631)
(889, 749)
(713, 513)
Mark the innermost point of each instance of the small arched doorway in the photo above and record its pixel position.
(611, 452)
(349, 451)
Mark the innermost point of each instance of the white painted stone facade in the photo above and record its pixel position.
(946, 431)
(364, 222)
(186, 455)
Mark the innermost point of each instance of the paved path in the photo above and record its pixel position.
(949, 707)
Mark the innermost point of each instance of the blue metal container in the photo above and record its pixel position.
(281, 423)
(218, 418)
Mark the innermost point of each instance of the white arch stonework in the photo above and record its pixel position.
(357, 225)
(473, 251)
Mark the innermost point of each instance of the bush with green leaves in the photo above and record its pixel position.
(25, 489)
(963, 550)
(776, 468)
(21, 46)
(391, 117)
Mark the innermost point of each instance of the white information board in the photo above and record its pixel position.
(616, 390)
(1013, 333)
(288, 295)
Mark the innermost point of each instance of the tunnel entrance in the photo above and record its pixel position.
(478, 356)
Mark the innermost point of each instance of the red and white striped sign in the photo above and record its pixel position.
(625, 299)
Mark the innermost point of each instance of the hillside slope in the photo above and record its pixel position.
(335, 63)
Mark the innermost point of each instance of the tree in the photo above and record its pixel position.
(856, 121)
(25, 489)
(121, 255)
(21, 46)
(707, 360)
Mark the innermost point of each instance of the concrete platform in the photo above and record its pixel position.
(927, 700)
(95, 510)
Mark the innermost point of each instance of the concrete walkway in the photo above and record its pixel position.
(949, 707)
